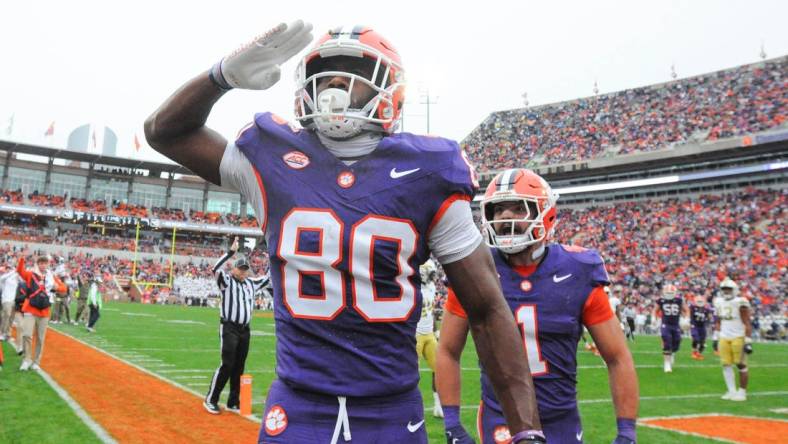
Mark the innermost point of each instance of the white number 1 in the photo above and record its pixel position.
(526, 319)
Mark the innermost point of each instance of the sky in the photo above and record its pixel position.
(113, 63)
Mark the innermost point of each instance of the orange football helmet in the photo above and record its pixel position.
(669, 291)
(331, 111)
(538, 206)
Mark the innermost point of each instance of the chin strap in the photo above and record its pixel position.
(538, 252)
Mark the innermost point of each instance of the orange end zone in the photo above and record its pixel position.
(132, 405)
(727, 427)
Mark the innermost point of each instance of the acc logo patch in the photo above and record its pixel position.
(526, 285)
(501, 435)
(296, 160)
(275, 421)
(346, 179)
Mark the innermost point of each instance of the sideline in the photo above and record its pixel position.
(134, 404)
(81, 413)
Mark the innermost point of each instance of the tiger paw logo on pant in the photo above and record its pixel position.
(501, 435)
(275, 421)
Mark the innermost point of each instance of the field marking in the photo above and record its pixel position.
(182, 321)
(701, 415)
(252, 418)
(101, 434)
(586, 367)
(145, 315)
(780, 411)
(262, 333)
(642, 422)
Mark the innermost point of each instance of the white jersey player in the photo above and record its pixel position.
(733, 330)
(426, 342)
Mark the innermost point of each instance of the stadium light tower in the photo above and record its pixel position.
(763, 51)
(426, 99)
(596, 88)
(525, 99)
(673, 74)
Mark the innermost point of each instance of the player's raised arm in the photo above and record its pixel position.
(177, 128)
(498, 343)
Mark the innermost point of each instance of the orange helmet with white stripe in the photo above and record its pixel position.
(535, 206)
(669, 291)
(331, 111)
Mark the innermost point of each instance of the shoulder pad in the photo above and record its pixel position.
(587, 256)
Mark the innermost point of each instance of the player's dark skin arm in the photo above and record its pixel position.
(498, 342)
(177, 128)
(744, 312)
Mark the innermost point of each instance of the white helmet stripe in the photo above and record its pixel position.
(506, 180)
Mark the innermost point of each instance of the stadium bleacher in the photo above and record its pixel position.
(741, 100)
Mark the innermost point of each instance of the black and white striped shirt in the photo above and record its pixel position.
(237, 296)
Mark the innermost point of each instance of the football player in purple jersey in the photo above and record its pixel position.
(349, 209)
(553, 291)
(670, 307)
(700, 316)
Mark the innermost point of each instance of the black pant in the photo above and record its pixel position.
(235, 346)
(94, 315)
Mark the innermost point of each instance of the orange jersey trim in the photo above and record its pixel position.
(597, 307)
(453, 305)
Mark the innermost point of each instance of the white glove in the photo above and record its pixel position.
(255, 65)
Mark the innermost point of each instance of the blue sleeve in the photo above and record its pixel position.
(591, 258)
(457, 176)
(269, 128)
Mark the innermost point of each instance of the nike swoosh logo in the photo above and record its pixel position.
(557, 279)
(397, 174)
(579, 436)
(413, 427)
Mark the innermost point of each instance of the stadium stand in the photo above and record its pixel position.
(699, 241)
(722, 104)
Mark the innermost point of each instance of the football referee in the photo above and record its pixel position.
(238, 291)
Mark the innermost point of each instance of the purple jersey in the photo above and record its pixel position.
(671, 310)
(345, 244)
(699, 316)
(548, 306)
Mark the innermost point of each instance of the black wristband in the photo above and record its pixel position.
(215, 74)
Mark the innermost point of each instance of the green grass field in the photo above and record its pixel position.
(31, 412)
(182, 345)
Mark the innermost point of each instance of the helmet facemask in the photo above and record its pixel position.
(514, 235)
(335, 112)
(729, 289)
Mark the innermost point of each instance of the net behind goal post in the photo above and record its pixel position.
(147, 284)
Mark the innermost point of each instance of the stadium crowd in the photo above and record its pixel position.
(699, 240)
(693, 243)
(737, 101)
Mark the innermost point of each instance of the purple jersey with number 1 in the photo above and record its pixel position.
(345, 245)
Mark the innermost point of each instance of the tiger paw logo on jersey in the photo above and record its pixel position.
(275, 421)
(346, 179)
(296, 160)
(526, 285)
(501, 435)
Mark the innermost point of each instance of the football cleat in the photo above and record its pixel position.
(739, 395)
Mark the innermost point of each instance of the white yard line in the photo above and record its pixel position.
(101, 434)
(658, 398)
